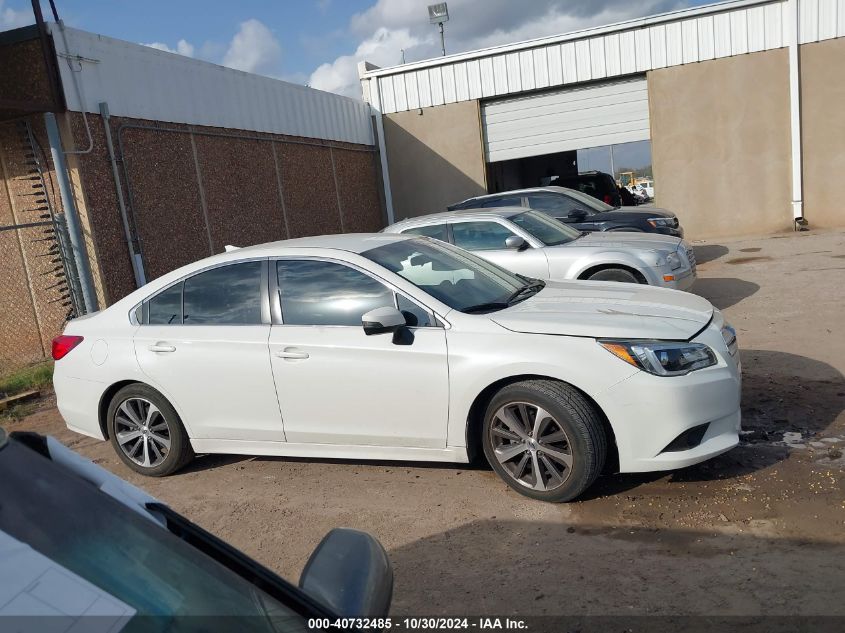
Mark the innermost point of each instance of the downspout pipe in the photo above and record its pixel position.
(795, 117)
(77, 243)
(375, 97)
(134, 256)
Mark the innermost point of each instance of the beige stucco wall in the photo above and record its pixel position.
(721, 144)
(436, 157)
(823, 131)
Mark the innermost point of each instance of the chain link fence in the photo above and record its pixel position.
(38, 283)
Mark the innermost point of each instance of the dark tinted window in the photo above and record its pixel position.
(480, 236)
(415, 316)
(325, 293)
(166, 307)
(507, 201)
(229, 295)
(551, 202)
(437, 231)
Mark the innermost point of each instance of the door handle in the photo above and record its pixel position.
(161, 347)
(290, 353)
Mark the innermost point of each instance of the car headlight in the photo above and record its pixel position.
(662, 359)
(674, 260)
(655, 222)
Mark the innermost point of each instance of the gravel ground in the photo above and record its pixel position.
(759, 530)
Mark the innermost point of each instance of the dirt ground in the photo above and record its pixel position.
(759, 530)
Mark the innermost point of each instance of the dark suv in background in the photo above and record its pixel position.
(598, 184)
(580, 210)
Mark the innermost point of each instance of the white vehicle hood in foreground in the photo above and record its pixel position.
(608, 310)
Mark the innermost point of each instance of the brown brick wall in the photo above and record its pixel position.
(191, 191)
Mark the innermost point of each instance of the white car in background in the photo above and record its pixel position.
(402, 348)
(533, 244)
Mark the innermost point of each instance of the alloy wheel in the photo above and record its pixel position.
(142, 432)
(531, 446)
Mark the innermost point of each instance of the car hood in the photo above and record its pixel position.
(652, 212)
(607, 309)
(625, 239)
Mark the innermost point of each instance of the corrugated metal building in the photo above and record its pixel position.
(169, 159)
(739, 105)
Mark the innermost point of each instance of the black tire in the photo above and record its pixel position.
(615, 274)
(179, 452)
(571, 413)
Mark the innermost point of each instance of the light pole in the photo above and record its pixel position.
(438, 14)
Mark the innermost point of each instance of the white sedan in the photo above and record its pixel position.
(403, 348)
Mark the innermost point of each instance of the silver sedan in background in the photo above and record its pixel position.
(532, 244)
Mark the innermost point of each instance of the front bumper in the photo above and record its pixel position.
(648, 412)
(668, 230)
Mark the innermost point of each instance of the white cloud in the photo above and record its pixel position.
(12, 19)
(183, 47)
(391, 25)
(382, 49)
(254, 49)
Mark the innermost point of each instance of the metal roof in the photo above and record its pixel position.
(141, 82)
(635, 46)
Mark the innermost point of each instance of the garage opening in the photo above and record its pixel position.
(547, 138)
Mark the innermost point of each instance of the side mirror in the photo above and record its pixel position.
(350, 573)
(382, 321)
(577, 214)
(515, 242)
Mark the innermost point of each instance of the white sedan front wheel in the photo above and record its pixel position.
(545, 439)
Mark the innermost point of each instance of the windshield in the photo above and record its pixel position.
(449, 274)
(549, 232)
(589, 201)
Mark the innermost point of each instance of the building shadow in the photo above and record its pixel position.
(708, 252)
(724, 292)
(544, 568)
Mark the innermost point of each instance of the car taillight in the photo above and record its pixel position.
(63, 343)
(607, 199)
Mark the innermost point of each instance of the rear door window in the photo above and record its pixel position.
(228, 295)
(506, 201)
(480, 236)
(166, 307)
(437, 231)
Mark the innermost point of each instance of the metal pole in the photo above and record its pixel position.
(134, 257)
(77, 243)
(442, 39)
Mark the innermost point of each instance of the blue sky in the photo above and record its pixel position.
(319, 42)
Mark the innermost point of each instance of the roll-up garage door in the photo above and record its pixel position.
(577, 118)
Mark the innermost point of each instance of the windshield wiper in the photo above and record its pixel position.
(537, 286)
(491, 306)
(486, 307)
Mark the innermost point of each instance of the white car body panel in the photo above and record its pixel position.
(231, 362)
(362, 397)
(372, 382)
(644, 252)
